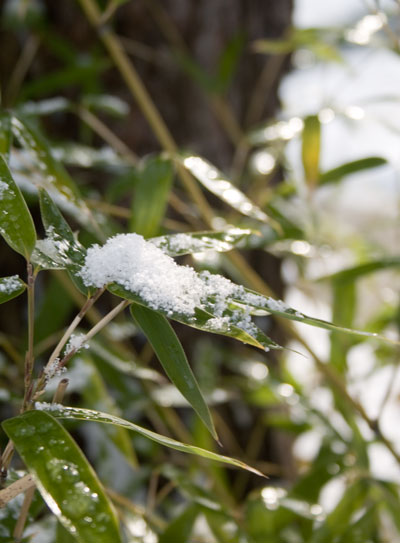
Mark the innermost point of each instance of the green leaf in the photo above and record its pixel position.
(53, 175)
(195, 242)
(206, 320)
(336, 523)
(16, 224)
(113, 105)
(95, 394)
(10, 287)
(5, 133)
(310, 152)
(64, 477)
(344, 306)
(45, 107)
(172, 357)
(76, 413)
(180, 528)
(61, 243)
(355, 272)
(336, 174)
(217, 183)
(152, 187)
(228, 61)
(276, 307)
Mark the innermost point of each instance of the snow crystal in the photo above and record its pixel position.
(179, 242)
(75, 343)
(44, 406)
(218, 323)
(3, 188)
(10, 284)
(54, 370)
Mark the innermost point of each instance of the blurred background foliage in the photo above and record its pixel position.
(302, 115)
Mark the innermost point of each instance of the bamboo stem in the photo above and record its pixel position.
(11, 491)
(23, 514)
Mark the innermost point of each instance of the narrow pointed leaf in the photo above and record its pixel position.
(64, 477)
(180, 528)
(54, 176)
(61, 243)
(5, 133)
(217, 183)
(336, 174)
(311, 149)
(10, 287)
(16, 224)
(354, 272)
(152, 187)
(196, 242)
(76, 413)
(172, 357)
(276, 307)
(207, 321)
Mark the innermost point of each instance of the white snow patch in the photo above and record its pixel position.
(75, 343)
(10, 284)
(44, 406)
(144, 269)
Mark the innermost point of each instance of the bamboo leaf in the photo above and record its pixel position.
(206, 320)
(59, 411)
(262, 303)
(53, 175)
(64, 477)
(354, 272)
(310, 152)
(336, 174)
(217, 183)
(195, 242)
(16, 224)
(172, 357)
(5, 133)
(181, 527)
(10, 287)
(61, 245)
(152, 187)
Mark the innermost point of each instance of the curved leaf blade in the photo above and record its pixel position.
(59, 411)
(5, 133)
(216, 182)
(10, 287)
(310, 152)
(54, 176)
(152, 187)
(266, 304)
(206, 320)
(172, 357)
(61, 244)
(336, 174)
(16, 224)
(196, 242)
(64, 477)
(355, 272)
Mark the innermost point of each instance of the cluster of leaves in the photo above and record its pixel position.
(139, 491)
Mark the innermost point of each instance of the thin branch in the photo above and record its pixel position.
(21, 68)
(23, 514)
(107, 135)
(16, 488)
(60, 391)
